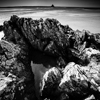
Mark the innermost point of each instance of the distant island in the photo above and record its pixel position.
(52, 5)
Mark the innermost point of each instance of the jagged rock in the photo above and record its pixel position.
(75, 82)
(95, 39)
(48, 43)
(51, 38)
(47, 36)
(90, 98)
(79, 81)
(88, 54)
(43, 36)
(16, 78)
(49, 84)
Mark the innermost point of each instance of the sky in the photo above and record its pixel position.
(66, 3)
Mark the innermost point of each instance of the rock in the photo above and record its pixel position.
(49, 84)
(1, 28)
(95, 40)
(43, 36)
(90, 98)
(52, 5)
(51, 38)
(18, 82)
(75, 82)
(29, 43)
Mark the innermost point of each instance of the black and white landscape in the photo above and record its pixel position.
(77, 18)
(49, 52)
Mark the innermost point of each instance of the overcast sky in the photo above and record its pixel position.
(67, 3)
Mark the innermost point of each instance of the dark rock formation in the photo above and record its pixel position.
(29, 43)
(52, 5)
(50, 82)
(16, 78)
(48, 38)
(1, 28)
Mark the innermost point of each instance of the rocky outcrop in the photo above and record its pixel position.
(16, 77)
(72, 82)
(51, 39)
(69, 61)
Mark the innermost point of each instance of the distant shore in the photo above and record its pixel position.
(93, 8)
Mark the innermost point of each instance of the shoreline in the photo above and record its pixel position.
(75, 19)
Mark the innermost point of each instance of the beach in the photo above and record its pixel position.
(76, 18)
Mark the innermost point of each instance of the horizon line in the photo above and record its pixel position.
(50, 6)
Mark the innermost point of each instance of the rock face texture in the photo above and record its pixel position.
(72, 82)
(16, 80)
(70, 61)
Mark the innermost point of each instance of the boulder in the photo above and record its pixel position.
(16, 77)
(74, 81)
